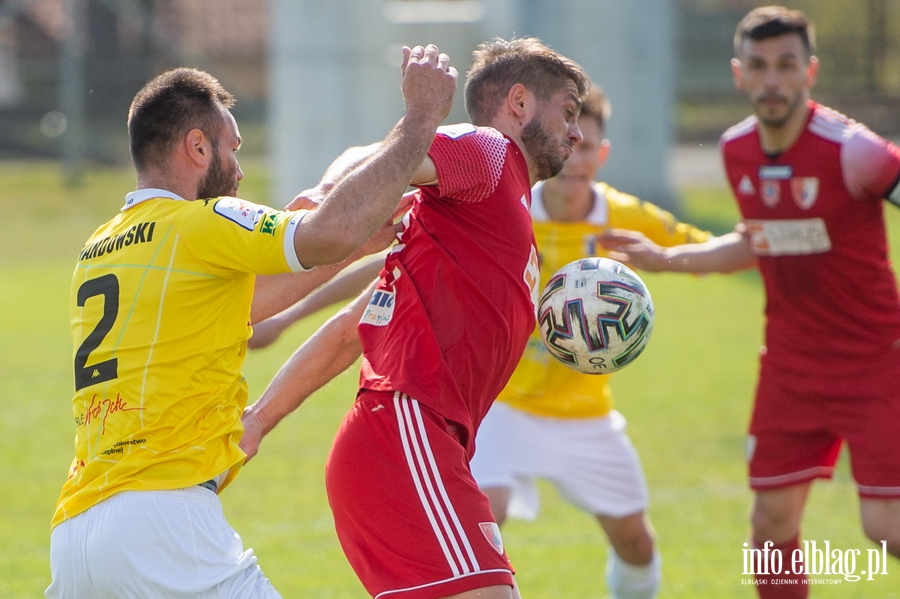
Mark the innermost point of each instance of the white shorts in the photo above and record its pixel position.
(173, 544)
(591, 461)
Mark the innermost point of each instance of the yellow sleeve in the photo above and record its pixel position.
(229, 234)
(660, 226)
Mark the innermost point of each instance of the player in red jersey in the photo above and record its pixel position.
(442, 332)
(809, 183)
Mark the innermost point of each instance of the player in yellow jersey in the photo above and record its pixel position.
(160, 316)
(549, 421)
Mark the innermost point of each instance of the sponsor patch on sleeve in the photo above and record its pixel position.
(239, 212)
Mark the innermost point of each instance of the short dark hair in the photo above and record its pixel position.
(774, 21)
(499, 64)
(596, 106)
(168, 107)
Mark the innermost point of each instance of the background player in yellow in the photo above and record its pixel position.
(160, 316)
(549, 421)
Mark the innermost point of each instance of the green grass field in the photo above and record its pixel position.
(687, 401)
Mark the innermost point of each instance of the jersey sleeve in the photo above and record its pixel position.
(229, 234)
(871, 166)
(629, 212)
(469, 161)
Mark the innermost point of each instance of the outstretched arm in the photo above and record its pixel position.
(326, 354)
(343, 287)
(364, 198)
(724, 254)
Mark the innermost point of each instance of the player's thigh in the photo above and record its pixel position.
(408, 514)
(791, 439)
(869, 420)
(173, 544)
(598, 468)
(881, 522)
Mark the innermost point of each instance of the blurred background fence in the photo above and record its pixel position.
(69, 68)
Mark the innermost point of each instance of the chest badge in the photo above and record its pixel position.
(805, 191)
(771, 192)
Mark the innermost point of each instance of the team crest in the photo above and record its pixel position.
(771, 192)
(492, 533)
(805, 191)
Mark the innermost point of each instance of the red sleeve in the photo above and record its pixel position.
(469, 161)
(871, 166)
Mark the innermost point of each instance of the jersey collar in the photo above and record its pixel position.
(142, 195)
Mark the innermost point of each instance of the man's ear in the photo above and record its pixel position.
(812, 71)
(197, 147)
(517, 101)
(603, 152)
(736, 74)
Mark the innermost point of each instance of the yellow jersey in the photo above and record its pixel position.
(541, 385)
(160, 310)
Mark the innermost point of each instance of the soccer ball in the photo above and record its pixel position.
(595, 315)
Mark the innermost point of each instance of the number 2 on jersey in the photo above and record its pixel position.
(108, 287)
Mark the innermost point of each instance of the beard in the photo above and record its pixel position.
(544, 151)
(217, 182)
(776, 122)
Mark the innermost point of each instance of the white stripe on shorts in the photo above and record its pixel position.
(427, 478)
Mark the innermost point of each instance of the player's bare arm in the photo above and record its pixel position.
(723, 254)
(364, 199)
(342, 288)
(326, 354)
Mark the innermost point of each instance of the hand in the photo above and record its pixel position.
(387, 234)
(309, 199)
(428, 81)
(253, 433)
(634, 249)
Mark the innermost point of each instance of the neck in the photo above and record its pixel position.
(567, 208)
(157, 180)
(775, 139)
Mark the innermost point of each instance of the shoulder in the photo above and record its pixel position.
(740, 131)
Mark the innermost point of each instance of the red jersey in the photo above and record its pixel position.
(815, 221)
(456, 302)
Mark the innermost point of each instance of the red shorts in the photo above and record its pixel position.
(800, 421)
(407, 511)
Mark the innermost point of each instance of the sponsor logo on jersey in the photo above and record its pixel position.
(775, 172)
(746, 186)
(771, 192)
(790, 237)
(492, 533)
(380, 310)
(805, 191)
(268, 223)
(239, 212)
(139, 233)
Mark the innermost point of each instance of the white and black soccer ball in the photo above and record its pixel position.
(595, 315)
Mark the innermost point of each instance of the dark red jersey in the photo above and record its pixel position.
(814, 216)
(456, 301)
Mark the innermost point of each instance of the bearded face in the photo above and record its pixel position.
(218, 181)
(545, 151)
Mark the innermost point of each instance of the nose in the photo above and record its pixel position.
(240, 173)
(575, 135)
